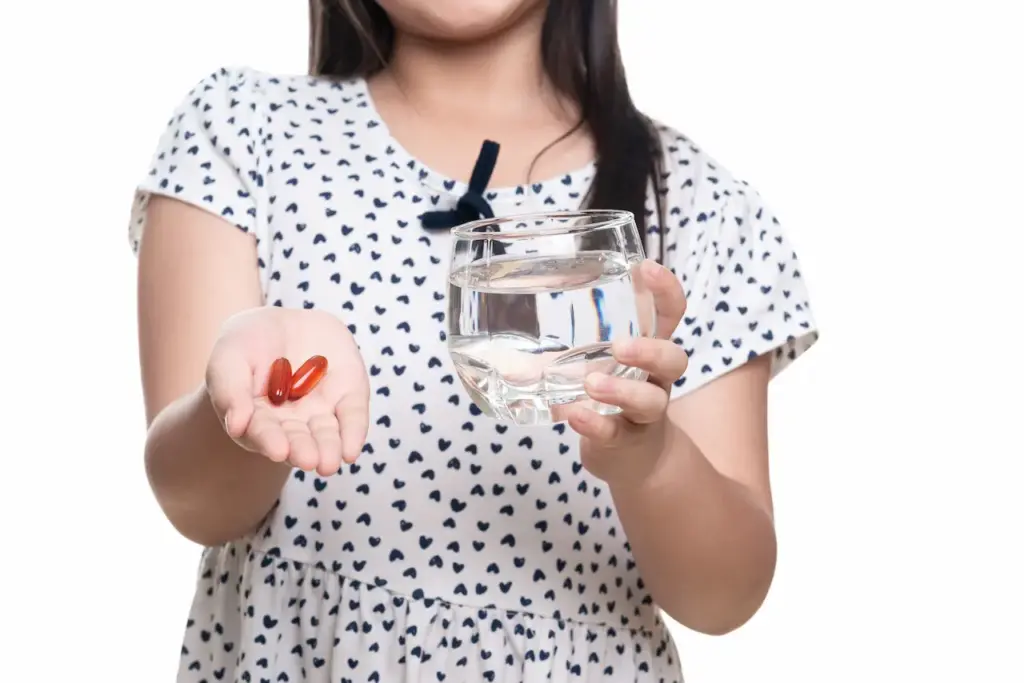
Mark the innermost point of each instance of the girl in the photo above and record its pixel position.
(301, 215)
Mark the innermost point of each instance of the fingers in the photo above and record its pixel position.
(663, 359)
(303, 452)
(313, 445)
(601, 429)
(327, 436)
(266, 434)
(641, 402)
(669, 298)
(230, 386)
(354, 423)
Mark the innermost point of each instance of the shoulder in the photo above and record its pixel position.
(239, 87)
(226, 83)
(241, 103)
(702, 198)
(694, 177)
(248, 87)
(745, 291)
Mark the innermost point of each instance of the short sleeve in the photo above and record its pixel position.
(210, 154)
(746, 294)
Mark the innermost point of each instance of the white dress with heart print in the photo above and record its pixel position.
(457, 548)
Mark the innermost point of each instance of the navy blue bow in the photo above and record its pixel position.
(472, 205)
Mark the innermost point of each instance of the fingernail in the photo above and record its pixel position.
(623, 348)
(597, 382)
(584, 416)
(651, 268)
(227, 422)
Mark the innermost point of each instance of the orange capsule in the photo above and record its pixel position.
(280, 381)
(307, 377)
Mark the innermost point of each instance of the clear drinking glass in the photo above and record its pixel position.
(534, 304)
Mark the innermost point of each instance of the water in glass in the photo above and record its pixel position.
(525, 329)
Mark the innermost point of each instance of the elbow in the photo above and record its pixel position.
(180, 503)
(197, 525)
(184, 513)
(722, 616)
(724, 621)
(725, 605)
(196, 512)
(161, 474)
(200, 534)
(160, 478)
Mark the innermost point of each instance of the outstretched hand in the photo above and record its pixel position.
(318, 432)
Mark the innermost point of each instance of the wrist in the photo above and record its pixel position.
(649, 463)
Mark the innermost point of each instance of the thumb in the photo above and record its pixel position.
(229, 384)
(669, 298)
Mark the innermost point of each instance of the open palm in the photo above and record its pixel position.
(319, 431)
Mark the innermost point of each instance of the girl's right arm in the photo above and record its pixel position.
(195, 271)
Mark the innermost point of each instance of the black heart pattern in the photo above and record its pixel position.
(457, 548)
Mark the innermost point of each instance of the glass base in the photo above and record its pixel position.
(507, 403)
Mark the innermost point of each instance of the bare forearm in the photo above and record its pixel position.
(705, 549)
(211, 490)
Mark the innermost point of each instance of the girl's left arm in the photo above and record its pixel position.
(686, 461)
(700, 525)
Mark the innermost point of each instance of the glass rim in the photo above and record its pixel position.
(602, 218)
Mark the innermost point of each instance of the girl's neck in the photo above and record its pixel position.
(499, 75)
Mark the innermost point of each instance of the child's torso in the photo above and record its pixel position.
(444, 502)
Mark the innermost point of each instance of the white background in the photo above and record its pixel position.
(886, 134)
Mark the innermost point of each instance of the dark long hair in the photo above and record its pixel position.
(350, 38)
